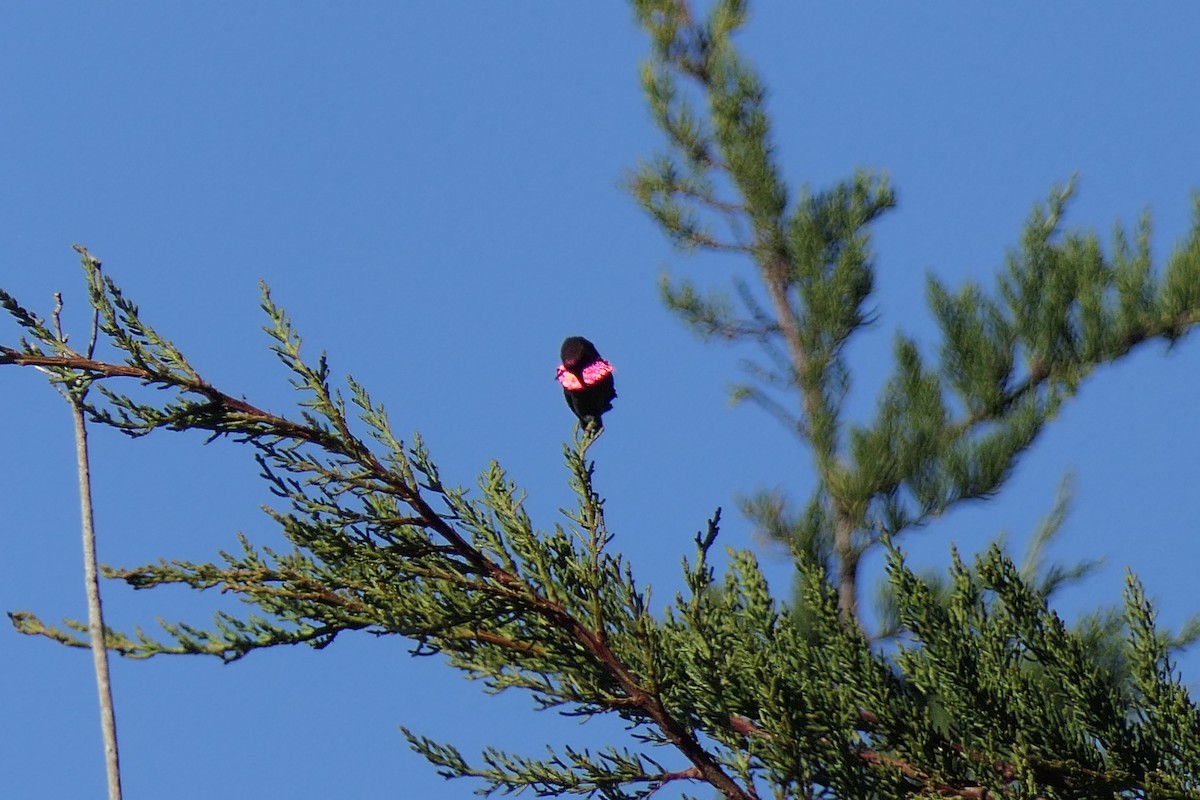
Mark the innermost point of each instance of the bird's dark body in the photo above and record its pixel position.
(593, 401)
(595, 395)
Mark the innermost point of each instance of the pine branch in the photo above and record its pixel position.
(557, 615)
(813, 263)
(1063, 308)
(367, 563)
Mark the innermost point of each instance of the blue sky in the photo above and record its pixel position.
(433, 192)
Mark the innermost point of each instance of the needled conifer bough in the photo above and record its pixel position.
(948, 429)
(982, 689)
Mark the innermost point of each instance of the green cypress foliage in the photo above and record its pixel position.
(973, 686)
(945, 431)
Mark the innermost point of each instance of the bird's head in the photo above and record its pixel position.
(577, 353)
